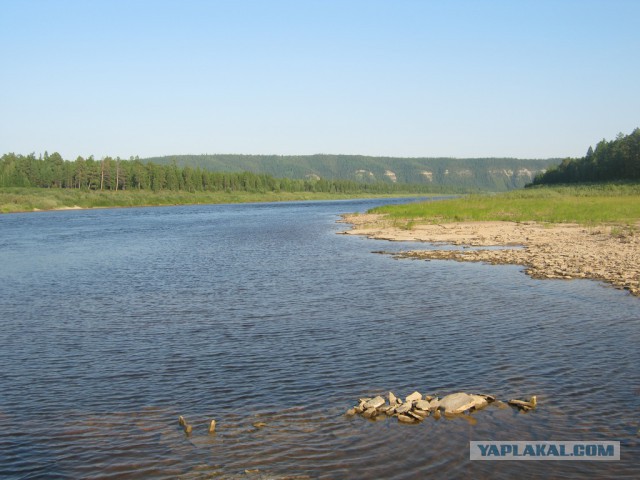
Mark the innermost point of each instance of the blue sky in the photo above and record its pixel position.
(527, 79)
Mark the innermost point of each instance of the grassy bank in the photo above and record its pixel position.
(584, 204)
(31, 199)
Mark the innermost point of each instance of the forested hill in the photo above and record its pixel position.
(618, 159)
(495, 174)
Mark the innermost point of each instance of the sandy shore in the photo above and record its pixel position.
(75, 207)
(561, 251)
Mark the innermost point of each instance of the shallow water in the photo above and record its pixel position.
(115, 322)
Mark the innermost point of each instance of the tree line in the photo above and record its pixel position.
(494, 174)
(52, 171)
(618, 159)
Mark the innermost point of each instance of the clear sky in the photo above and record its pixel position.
(518, 78)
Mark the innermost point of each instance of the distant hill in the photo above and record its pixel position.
(494, 174)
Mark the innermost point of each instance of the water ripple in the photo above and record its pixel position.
(116, 322)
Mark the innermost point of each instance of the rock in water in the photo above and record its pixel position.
(374, 402)
(420, 413)
(480, 400)
(489, 398)
(414, 415)
(413, 397)
(406, 419)
(370, 412)
(404, 408)
(423, 405)
(523, 405)
(392, 399)
(212, 426)
(457, 402)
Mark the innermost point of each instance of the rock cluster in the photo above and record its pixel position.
(416, 407)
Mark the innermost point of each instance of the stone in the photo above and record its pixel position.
(259, 424)
(370, 413)
(181, 421)
(404, 408)
(434, 404)
(423, 405)
(457, 402)
(392, 399)
(480, 402)
(414, 415)
(421, 413)
(489, 398)
(188, 429)
(406, 419)
(212, 426)
(413, 397)
(524, 405)
(391, 410)
(351, 412)
(374, 402)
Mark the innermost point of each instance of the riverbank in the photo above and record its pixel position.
(17, 200)
(608, 253)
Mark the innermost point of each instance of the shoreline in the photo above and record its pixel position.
(606, 253)
(12, 202)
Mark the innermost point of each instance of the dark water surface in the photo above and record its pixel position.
(114, 322)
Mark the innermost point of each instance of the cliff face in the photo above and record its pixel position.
(495, 174)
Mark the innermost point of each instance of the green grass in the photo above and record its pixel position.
(30, 199)
(583, 204)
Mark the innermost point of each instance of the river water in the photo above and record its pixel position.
(115, 322)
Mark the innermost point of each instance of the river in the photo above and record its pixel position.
(116, 321)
